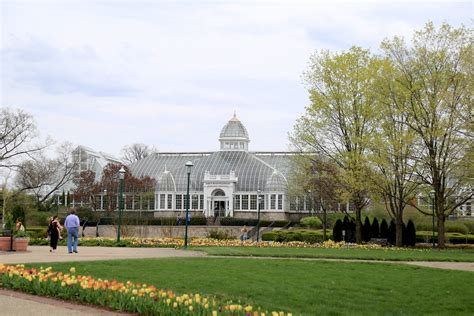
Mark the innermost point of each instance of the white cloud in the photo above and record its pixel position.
(109, 73)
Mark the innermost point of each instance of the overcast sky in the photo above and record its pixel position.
(105, 74)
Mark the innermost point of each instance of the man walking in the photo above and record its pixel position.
(72, 225)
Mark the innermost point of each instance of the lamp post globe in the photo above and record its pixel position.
(121, 175)
(189, 165)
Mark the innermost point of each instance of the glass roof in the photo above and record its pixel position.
(234, 129)
(252, 169)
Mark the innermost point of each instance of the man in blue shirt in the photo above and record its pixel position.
(72, 225)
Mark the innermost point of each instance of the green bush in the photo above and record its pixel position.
(337, 230)
(470, 226)
(311, 222)
(219, 234)
(456, 227)
(37, 231)
(453, 238)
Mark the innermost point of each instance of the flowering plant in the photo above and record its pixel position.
(124, 296)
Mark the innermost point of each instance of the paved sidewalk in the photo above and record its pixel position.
(19, 304)
(42, 254)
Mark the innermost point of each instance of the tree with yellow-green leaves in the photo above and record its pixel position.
(435, 77)
(340, 120)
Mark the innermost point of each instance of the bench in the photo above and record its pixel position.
(378, 241)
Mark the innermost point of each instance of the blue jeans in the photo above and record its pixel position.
(72, 232)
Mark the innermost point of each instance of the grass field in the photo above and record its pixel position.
(303, 287)
(342, 253)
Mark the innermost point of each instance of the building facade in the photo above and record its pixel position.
(228, 182)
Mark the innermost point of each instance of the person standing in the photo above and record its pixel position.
(72, 225)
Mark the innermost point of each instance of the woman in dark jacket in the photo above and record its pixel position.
(54, 232)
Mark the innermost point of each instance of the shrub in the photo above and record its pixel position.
(391, 233)
(456, 227)
(337, 231)
(219, 234)
(410, 234)
(311, 221)
(375, 230)
(309, 236)
(18, 212)
(383, 229)
(37, 232)
(366, 230)
(470, 226)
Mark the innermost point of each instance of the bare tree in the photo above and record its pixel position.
(43, 176)
(17, 131)
(135, 152)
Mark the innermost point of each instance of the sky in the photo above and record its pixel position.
(170, 74)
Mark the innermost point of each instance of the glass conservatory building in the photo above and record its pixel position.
(227, 182)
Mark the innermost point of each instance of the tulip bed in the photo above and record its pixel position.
(124, 296)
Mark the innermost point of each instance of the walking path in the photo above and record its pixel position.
(42, 254)
(15, 303)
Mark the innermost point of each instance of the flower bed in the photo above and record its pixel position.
(124, 296)
(209, 242)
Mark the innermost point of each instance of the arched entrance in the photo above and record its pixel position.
(219, 203)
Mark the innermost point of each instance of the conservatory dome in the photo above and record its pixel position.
(234, 135)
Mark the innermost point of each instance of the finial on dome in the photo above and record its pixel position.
(234, 118)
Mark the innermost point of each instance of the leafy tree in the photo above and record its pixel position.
(392, 149)
(341, 118)
(316, 178)
(436, 74)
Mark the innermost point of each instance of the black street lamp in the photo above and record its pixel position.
(121, 178)
(189, 165)
(258, 215)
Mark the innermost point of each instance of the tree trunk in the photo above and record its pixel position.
(358, 226)
(324, 224)
(441, 241)
(398, 232)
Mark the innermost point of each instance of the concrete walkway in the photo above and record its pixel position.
(42, 254)
(19, 304)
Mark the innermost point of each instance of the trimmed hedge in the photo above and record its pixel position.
(37, 231)
(230, 221)
(453, 238)
(309, 236)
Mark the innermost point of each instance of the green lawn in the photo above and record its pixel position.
(303, 287)
(342, 253)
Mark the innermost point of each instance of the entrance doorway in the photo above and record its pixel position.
(219, 208)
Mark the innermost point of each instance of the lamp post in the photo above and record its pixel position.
(189, 165)
(310, 210)
(258, 214)
(104, 205)
(121, 178)
(432, 193)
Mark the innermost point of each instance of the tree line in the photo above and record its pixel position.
(391, 126)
